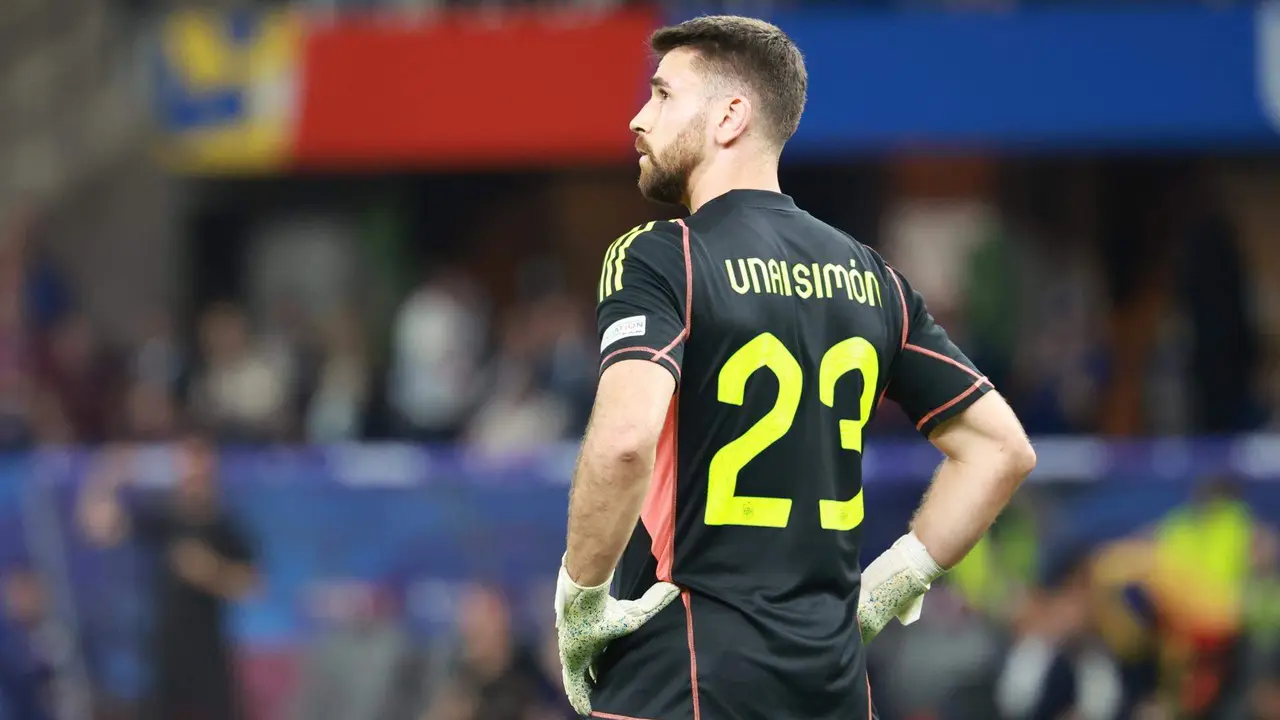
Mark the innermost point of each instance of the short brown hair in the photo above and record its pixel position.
(753, 52)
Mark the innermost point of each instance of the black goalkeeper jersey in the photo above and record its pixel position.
(783, 335)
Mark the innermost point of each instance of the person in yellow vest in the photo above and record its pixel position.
(994, 579)
(1204, 557)
(1124, 615)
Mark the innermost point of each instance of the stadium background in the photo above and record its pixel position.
(360, 239)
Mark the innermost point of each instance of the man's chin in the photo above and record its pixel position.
(660, 197)
(645, 183)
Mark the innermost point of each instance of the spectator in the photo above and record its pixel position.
(1215, 295)
(286, 344)
(942, 666)
(1266, 691)
(567, 362)
(47, 422)
(204, 563)
(16, 396)
(1054, 668)
(491, 676)
(437, 339)
(240, 393)
(1204, 565)
(1060, 369)
(27, 656)
(17, 391)
(518, 415)
(79, 374)
(150, 413)
(157, 359)
(31, 273)
(365, 668)
(336, 410)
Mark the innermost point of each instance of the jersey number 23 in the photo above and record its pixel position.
(724, 506)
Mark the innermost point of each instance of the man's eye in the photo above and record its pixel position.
(664, 94)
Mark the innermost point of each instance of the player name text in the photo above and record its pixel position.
(805, 280)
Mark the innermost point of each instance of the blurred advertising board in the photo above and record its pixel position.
(530, 89)
(226, 89)
(267, 91)
(417, 525)
(518, 88)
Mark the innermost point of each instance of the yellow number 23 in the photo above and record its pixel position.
(724, 506)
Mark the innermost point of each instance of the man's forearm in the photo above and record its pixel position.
(604, 506)
(228, 580)
(236, 580)
(962, 503)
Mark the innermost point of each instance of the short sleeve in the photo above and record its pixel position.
(643, 298)
(931, 379)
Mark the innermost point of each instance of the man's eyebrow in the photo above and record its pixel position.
(660, 83)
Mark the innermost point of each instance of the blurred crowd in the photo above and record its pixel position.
(1178, 619)
(449, 373)
(1107, 329)
(1175, 620)
(485, 669)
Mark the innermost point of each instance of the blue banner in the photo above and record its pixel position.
(420, 525)
(1152, 76)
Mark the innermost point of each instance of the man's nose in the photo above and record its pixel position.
(639, 126)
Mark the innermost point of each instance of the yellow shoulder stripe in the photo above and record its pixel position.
(611, 273)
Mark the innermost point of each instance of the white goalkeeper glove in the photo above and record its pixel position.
(588, 619)
(894, 584)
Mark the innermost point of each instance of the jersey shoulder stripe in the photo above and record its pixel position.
(612, 271)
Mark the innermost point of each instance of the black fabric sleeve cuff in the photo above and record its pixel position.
(655, 355)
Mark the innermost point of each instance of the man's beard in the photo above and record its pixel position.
(667, 180)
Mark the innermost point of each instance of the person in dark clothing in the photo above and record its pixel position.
(1265, 694)
(27, 665)
(491, 674)
(1055, 667)
(1214, 293)
(204, 562)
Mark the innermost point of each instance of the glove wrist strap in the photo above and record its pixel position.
(919, 559)
(564, 572)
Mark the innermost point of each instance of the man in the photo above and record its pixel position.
(1055, 667)
(365, 665)
(744, 349)
(28, 651)
(204, 563)
(491, 673)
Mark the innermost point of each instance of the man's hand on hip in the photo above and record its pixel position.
(588, 619)
(894, 584)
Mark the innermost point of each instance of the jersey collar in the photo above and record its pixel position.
(750, 198)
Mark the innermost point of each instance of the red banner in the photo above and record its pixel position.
(524, 89)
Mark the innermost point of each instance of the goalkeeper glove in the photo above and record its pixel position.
(894, 584)
(588, 619)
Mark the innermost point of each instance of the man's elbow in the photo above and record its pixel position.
(1019, 458)
(631, 452)
(622, 446)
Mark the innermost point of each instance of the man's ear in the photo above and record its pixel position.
(735, 114)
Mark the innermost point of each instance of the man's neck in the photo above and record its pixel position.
(716, 181)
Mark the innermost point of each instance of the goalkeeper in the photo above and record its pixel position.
(712, 566)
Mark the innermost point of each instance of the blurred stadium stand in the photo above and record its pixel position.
(363, 253)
